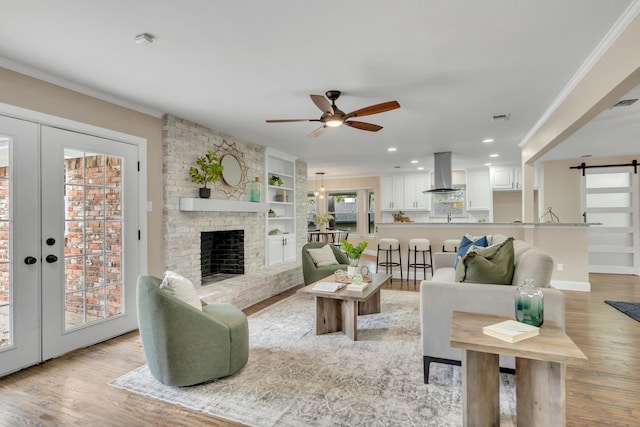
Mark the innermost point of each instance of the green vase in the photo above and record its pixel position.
(529, 304)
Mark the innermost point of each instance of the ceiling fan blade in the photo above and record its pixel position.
(291, 120)
(363, 126)
(317, 132)
(322, 103)
(374, 109)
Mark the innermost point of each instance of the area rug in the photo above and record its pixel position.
(631, 309)
(296, 378)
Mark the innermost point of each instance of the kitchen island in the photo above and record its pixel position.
(567, 243)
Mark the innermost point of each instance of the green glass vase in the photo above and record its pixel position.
(529, 304)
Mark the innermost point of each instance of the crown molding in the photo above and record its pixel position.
(67, 84)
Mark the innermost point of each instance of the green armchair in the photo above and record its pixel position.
(312, 273)
(185, 346)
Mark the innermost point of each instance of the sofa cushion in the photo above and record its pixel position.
(490, 265)
(323, 256)
(181, 288)
(466, 242)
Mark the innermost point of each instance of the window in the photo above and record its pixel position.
(344, 208)
(371, 214)
(312, 208)
(445, 204)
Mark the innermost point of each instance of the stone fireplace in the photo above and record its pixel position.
(182, 142)
(221, 255)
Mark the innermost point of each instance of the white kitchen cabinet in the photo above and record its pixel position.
(414, 198)
(282, 248)
(479, 194)
(506, 178)
(392, 192)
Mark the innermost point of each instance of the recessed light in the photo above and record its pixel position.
(392, 149)
(494, 155)
(487, 140)
(414, 161)
(420, 168)
(144, 38)
(487, 164)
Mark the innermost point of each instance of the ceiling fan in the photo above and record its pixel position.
(332, 116)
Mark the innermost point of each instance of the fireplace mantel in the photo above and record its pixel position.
(215, 205)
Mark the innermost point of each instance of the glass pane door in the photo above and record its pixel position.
(90, 188)
(19, 245)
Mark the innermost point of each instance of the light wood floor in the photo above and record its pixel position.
(73, 390)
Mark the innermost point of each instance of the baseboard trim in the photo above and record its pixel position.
(567, 285)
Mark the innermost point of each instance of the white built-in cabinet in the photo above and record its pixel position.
(479, 194)
(405, 192)
(281, 221)
(281, 248)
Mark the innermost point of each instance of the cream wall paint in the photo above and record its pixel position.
(36, 95)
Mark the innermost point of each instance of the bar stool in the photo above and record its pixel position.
(451, 245)
(423, 246)
(388, 246)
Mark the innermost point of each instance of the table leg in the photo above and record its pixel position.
(328, 315)
(350, 319)
(480, 389)
(540, 392)
(371, 305)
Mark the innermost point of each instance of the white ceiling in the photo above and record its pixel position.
(230, 65)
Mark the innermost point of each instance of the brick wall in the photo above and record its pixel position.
(182, 142)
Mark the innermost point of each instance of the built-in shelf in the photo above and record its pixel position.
(215, 205)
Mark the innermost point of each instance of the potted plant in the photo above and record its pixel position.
(353, 253)
(275, 180)
(208, 170)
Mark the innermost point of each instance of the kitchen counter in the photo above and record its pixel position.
(566, 242)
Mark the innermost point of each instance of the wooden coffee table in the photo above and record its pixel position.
(540, 371)
(338, 311)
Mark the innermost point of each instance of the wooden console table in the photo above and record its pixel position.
(540, 371)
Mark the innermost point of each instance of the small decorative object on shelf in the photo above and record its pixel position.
(209, 170)
(281, 196)
(353, 253)
(274, 232)
(271, 213)
(255, 191)
(529, 304)
(275, 180)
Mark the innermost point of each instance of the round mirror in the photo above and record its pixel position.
(232, 172)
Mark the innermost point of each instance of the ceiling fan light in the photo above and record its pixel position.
(333, 123)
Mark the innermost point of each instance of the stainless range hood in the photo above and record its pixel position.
(442, 173)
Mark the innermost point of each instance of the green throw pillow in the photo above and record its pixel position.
(491, 265)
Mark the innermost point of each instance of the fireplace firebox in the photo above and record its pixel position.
(221, 254)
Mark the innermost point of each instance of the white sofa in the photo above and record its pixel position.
(441, 295)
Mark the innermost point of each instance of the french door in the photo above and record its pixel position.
(69, 242)
(609, 197)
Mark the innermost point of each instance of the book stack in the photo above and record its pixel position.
(511, 331)
(357, 287)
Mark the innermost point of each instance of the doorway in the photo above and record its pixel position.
(69, 248)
